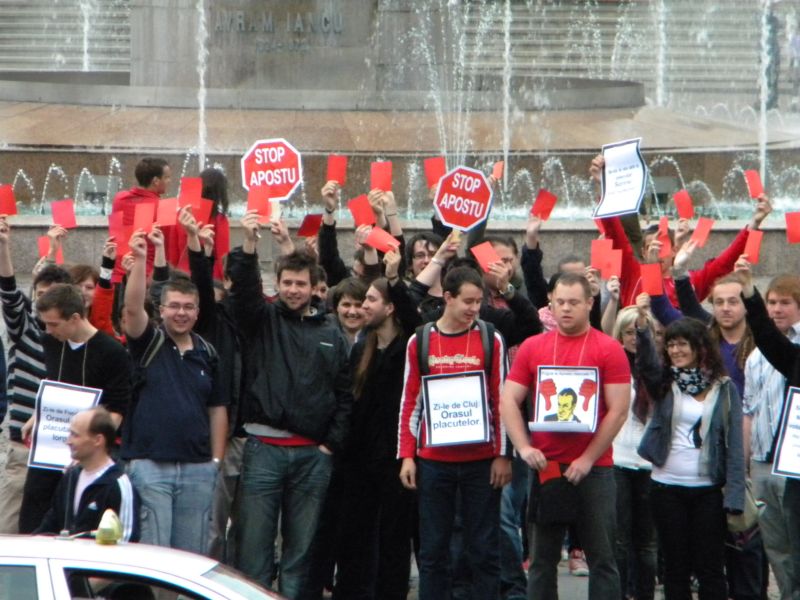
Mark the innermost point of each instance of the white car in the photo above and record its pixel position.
(48, 568)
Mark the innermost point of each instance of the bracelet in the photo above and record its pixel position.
(330, 212)
(437, 261)
(394, 214)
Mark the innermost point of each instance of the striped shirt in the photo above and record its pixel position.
(25, 355)
(764, 393)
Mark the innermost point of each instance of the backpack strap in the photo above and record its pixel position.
(424, 342)
(487, 341)
(152, 348)
(423, 347)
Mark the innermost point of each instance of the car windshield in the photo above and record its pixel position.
(237, 582)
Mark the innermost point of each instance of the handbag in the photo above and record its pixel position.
(748, 518)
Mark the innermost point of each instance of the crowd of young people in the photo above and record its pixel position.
(296, 438)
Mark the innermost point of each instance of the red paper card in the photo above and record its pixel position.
(337, 169)
(497, 169)
(258, 199)
(44, 249)
(485, 254)
(613, 265)
(753, 246)
(201, 210)
(115, 224)
(652, 279)
(361, 210)
(8, 204)
(663, 237)
(543, 205)
(702, 231)
(683, 202)
(600, 252)
(310, 225)
(380, 176)
(754, 183)
(551, 471)
(64, 213)
(381, 240)
(191, 188)
(435, 168)
(143, 216)
(793, 227)
(167, 212)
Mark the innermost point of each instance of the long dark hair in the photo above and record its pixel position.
(699, 338)
(215, 188)
(381, 285)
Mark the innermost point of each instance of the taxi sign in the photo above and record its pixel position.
(274, 164)
(463, 198)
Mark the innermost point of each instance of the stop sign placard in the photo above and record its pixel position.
(274, 164)
(463, 198)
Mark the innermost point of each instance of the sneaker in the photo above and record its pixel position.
(577, 564)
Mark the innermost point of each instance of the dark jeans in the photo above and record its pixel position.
(691, 529)
(287, 484)
(37, 496)
(596, 526)
(513, 583)
(636, 534)
(438, 484)
(374, 541)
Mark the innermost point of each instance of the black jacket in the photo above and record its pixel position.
(112, 490)
(297, 370)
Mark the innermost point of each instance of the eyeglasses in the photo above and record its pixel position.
(177, 306)
(423, 255)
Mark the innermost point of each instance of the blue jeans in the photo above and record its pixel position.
(513, 583)
(286, 483)
(439, 483)
(596, 527)
(176, 502)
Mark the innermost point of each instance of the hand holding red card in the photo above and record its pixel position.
(310, 226)
(683, 203)
(652, 279)
(753, 247)
(381, 240)
(361, 210)
(435, 168)
(8, 204)
(754, 184)
(337, 169)
(44, 249)
(485, 254)
(702, 231)
(258, 200)
(543, 205)
(497, 169)
(143, 216)
(793, 227)
(380, 176)
(191, 188)
(64, 213)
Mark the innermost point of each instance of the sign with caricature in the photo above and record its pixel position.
(566, 399)
(455, 409)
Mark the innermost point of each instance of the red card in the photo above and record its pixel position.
(753, 246)
(44, 249)
(543, 205)
(435, 168)
(485, 254)
(201, 210)
(652, 279)
(497, 169)
(381, 240)
(793, 227)
(167, 212)
(702, 230)
(754, 183)
(380, 176)
(191, 188)
(64, 213)
(310, 225)
(337, 169)
(600, 252)
(663, 237)
(258, 199)
(8, 204)
(143, 216)
(683, 202)
(361, 210)
(551, 471)
(613, 265)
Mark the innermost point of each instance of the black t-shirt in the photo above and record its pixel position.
(101, 362)
(169, 421)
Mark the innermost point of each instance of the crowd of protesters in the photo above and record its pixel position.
(294, 436)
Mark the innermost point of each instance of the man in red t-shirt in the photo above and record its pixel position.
(457, 438)
(575, 451)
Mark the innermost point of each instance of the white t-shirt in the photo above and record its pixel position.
(85, 479)
(683, 462)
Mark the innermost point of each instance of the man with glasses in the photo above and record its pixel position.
(175, 433)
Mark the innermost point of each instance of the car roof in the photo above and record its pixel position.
(140, 555)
